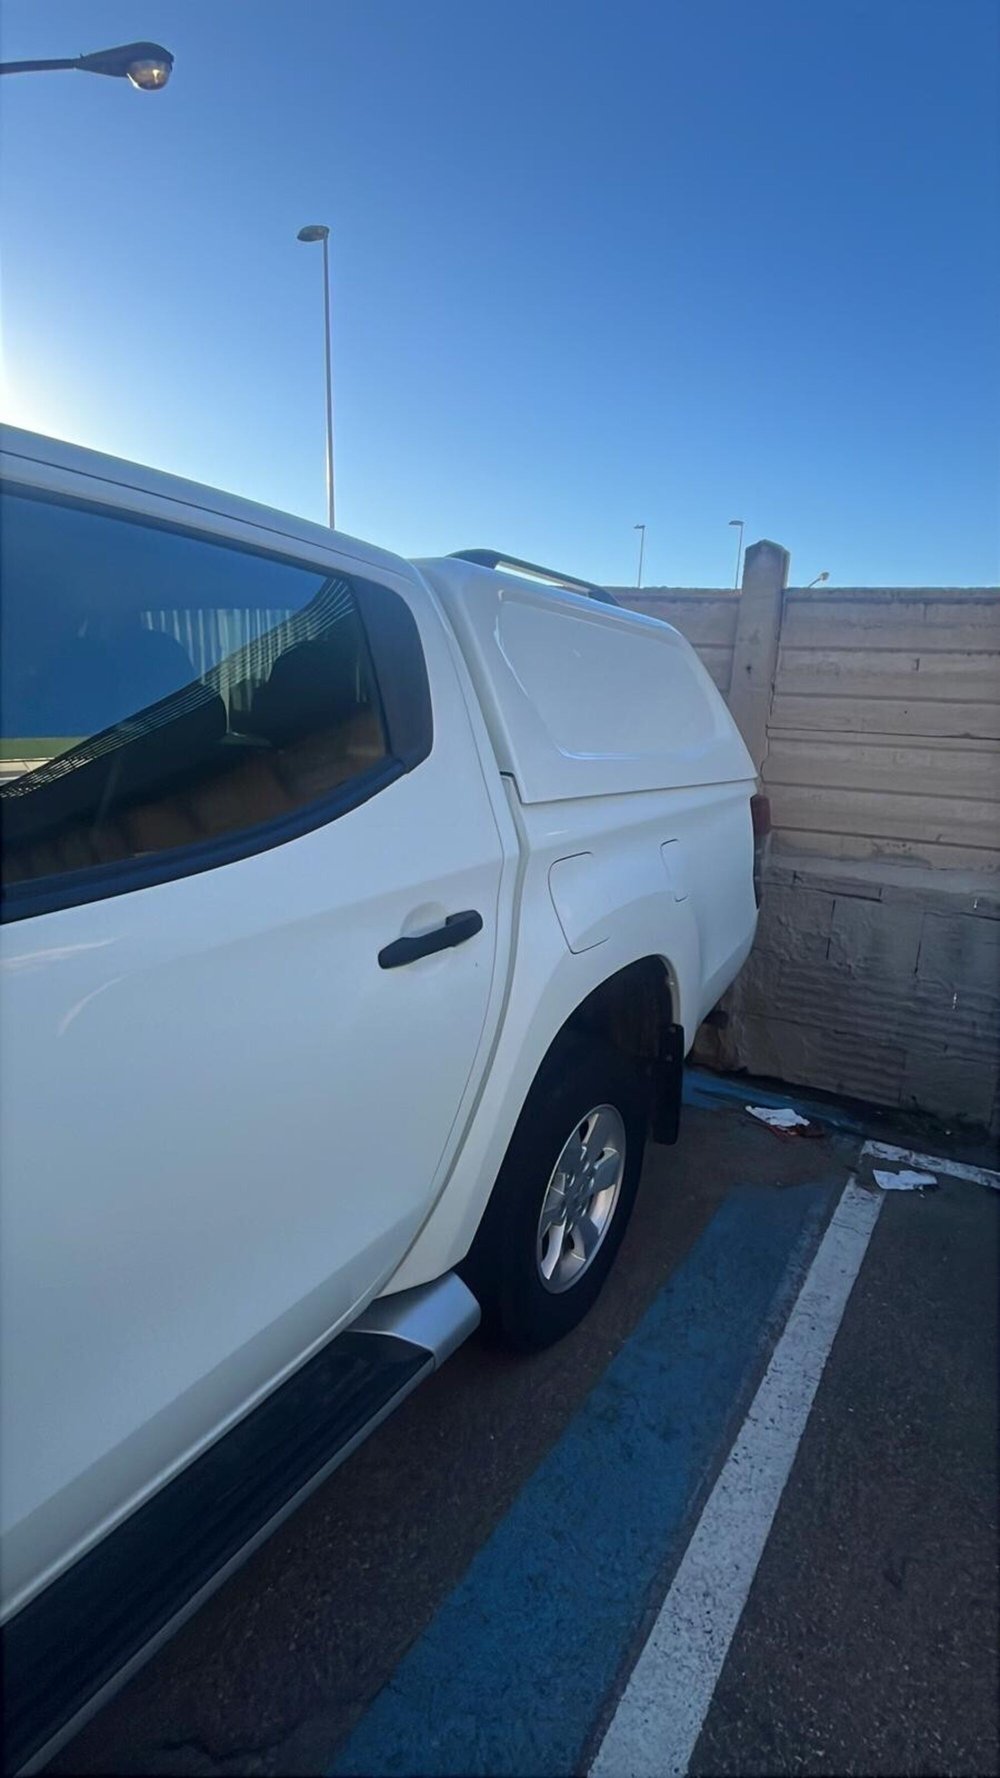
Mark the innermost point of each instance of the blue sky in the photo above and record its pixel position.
(594, 264)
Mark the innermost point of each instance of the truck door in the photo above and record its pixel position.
(252, 876)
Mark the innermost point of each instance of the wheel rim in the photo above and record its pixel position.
(581, 1198)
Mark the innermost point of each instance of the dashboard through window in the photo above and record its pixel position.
(160, 693)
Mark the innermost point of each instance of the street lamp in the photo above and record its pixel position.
(824, 576)
(146, 65)
(642, 544)
(739, 551)
(318, 231)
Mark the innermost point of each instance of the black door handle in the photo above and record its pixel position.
(457, 929)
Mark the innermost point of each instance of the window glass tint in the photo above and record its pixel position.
(158, 690)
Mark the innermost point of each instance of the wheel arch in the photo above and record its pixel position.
(636, 1008)
(633, 1011)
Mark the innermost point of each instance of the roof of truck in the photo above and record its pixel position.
(120, 473)
(54, 453)
(581, 696)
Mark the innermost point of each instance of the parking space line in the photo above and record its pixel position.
(511, 1674)
(929, 1163)
(667, 1698)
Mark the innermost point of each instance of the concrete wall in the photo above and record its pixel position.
(884, 731)
(874, 979)
(873, 715)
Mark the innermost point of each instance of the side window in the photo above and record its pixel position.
(162, 694)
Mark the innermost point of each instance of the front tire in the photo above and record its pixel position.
(560, 1207)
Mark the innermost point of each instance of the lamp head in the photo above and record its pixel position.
(146, 65)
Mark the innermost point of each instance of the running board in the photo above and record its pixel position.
(76, 1643)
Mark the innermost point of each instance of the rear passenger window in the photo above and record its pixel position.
(161, 692)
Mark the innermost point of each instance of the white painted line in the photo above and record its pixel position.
(928, 1163)
(664, 1705)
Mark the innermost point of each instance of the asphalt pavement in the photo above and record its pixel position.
(869, 1641)
(472, 1590)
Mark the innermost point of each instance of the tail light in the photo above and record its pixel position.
(760, 816)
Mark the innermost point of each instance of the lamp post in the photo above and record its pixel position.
(824, 576)
(739, 551)
(318, 231)
(642, 544)
(146, 65)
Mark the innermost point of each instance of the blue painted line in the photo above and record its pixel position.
(712, 1090)
(510, 1675)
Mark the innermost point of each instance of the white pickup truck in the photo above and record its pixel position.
(358, 915)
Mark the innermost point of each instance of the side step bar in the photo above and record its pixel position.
(72, 1646)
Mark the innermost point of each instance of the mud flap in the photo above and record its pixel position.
(668, 1075)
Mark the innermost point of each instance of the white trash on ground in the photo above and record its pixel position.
(783, 1118)
(884, 1151)
(904, 1181)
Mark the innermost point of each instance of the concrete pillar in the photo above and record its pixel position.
(758, 632)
